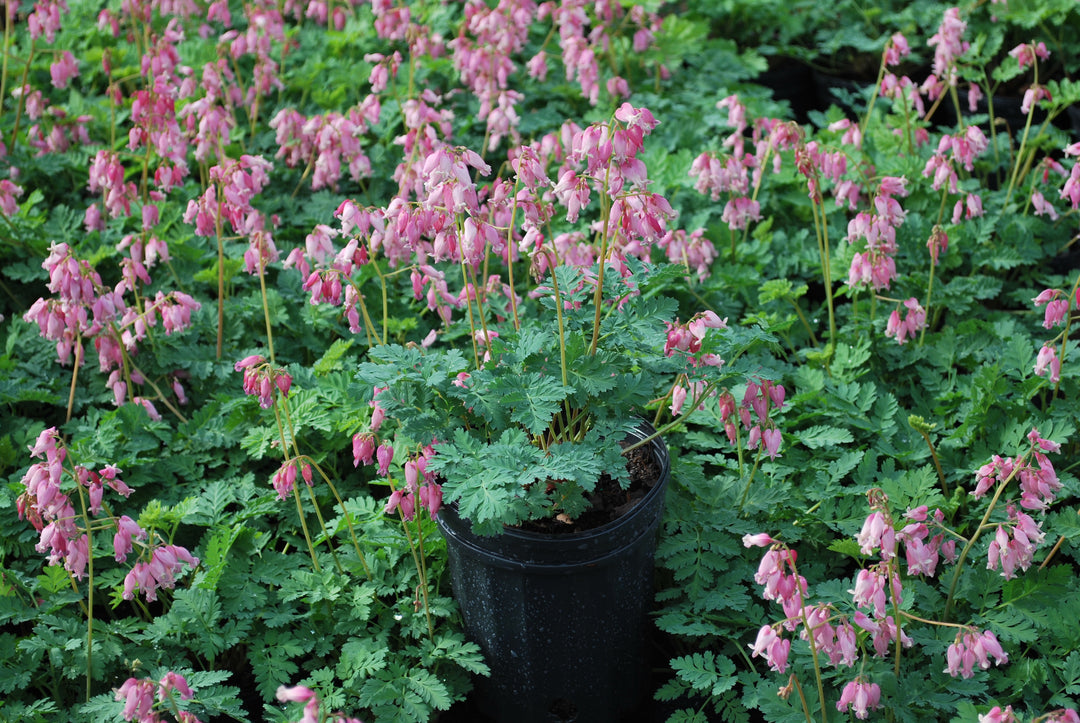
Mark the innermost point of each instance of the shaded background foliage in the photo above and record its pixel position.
(255, 615)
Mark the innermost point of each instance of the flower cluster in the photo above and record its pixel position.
(51, 512)
(312, 705)
(860, 696)
(160, 571)
(234, 184)
(85, 309)
(442, 215)
(879, 588)
(261, 379)
(421, 485)
(759, 400)
(1038, 484)
(876, 267)
(145, 699)
(832, 635)
(1059, 305)
(971, 647)
(906, 328)
(326, 145)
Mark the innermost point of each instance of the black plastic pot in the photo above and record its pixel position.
(562, 619)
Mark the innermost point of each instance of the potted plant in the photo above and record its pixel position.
(536, 433)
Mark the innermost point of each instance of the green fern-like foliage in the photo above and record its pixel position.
(526, 433)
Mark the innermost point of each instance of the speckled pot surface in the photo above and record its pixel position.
(562, 619)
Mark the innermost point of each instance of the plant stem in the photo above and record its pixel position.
(804, 320)
(896, 613)
(978, 531)
(90, 587)
(559, 317)
(822, 230)
(75, 374)
(472, 319)
(419, 567)
(937, 463)
(813, 644)
(802, 698)
(1023, 141)
(510, 261)
(22, 96)
(326, 533)
(873, 97)
(1065, 336)
(423, 577)
(1053, 551)
(296, 493)
(345, 513)
(605, 221)
(266, 309)
(221, 274)
(753, 470)
(303, 524)
(7, 47)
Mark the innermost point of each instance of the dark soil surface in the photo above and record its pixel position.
(608, 501)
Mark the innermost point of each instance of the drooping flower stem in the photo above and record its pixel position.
(296, 496)
(890, 570)
(22, 84)
(813, 643)
(1065, 334)
(1023, 140)
(89, 586)
(605, 222)
(689, 408)
(221, 274)
(821, 230)
(919, 425)
(75, 373)
(978, 531)
(265, 305)
(422, 572)
(345, 513)
(802, 697)
(753, 471)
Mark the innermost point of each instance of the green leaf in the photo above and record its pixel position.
(360, 659)
(535, 401)
(215, 556)
(706, 672)
(331, 359)
(820, 436)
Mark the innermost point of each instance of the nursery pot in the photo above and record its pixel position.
(562, 619)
